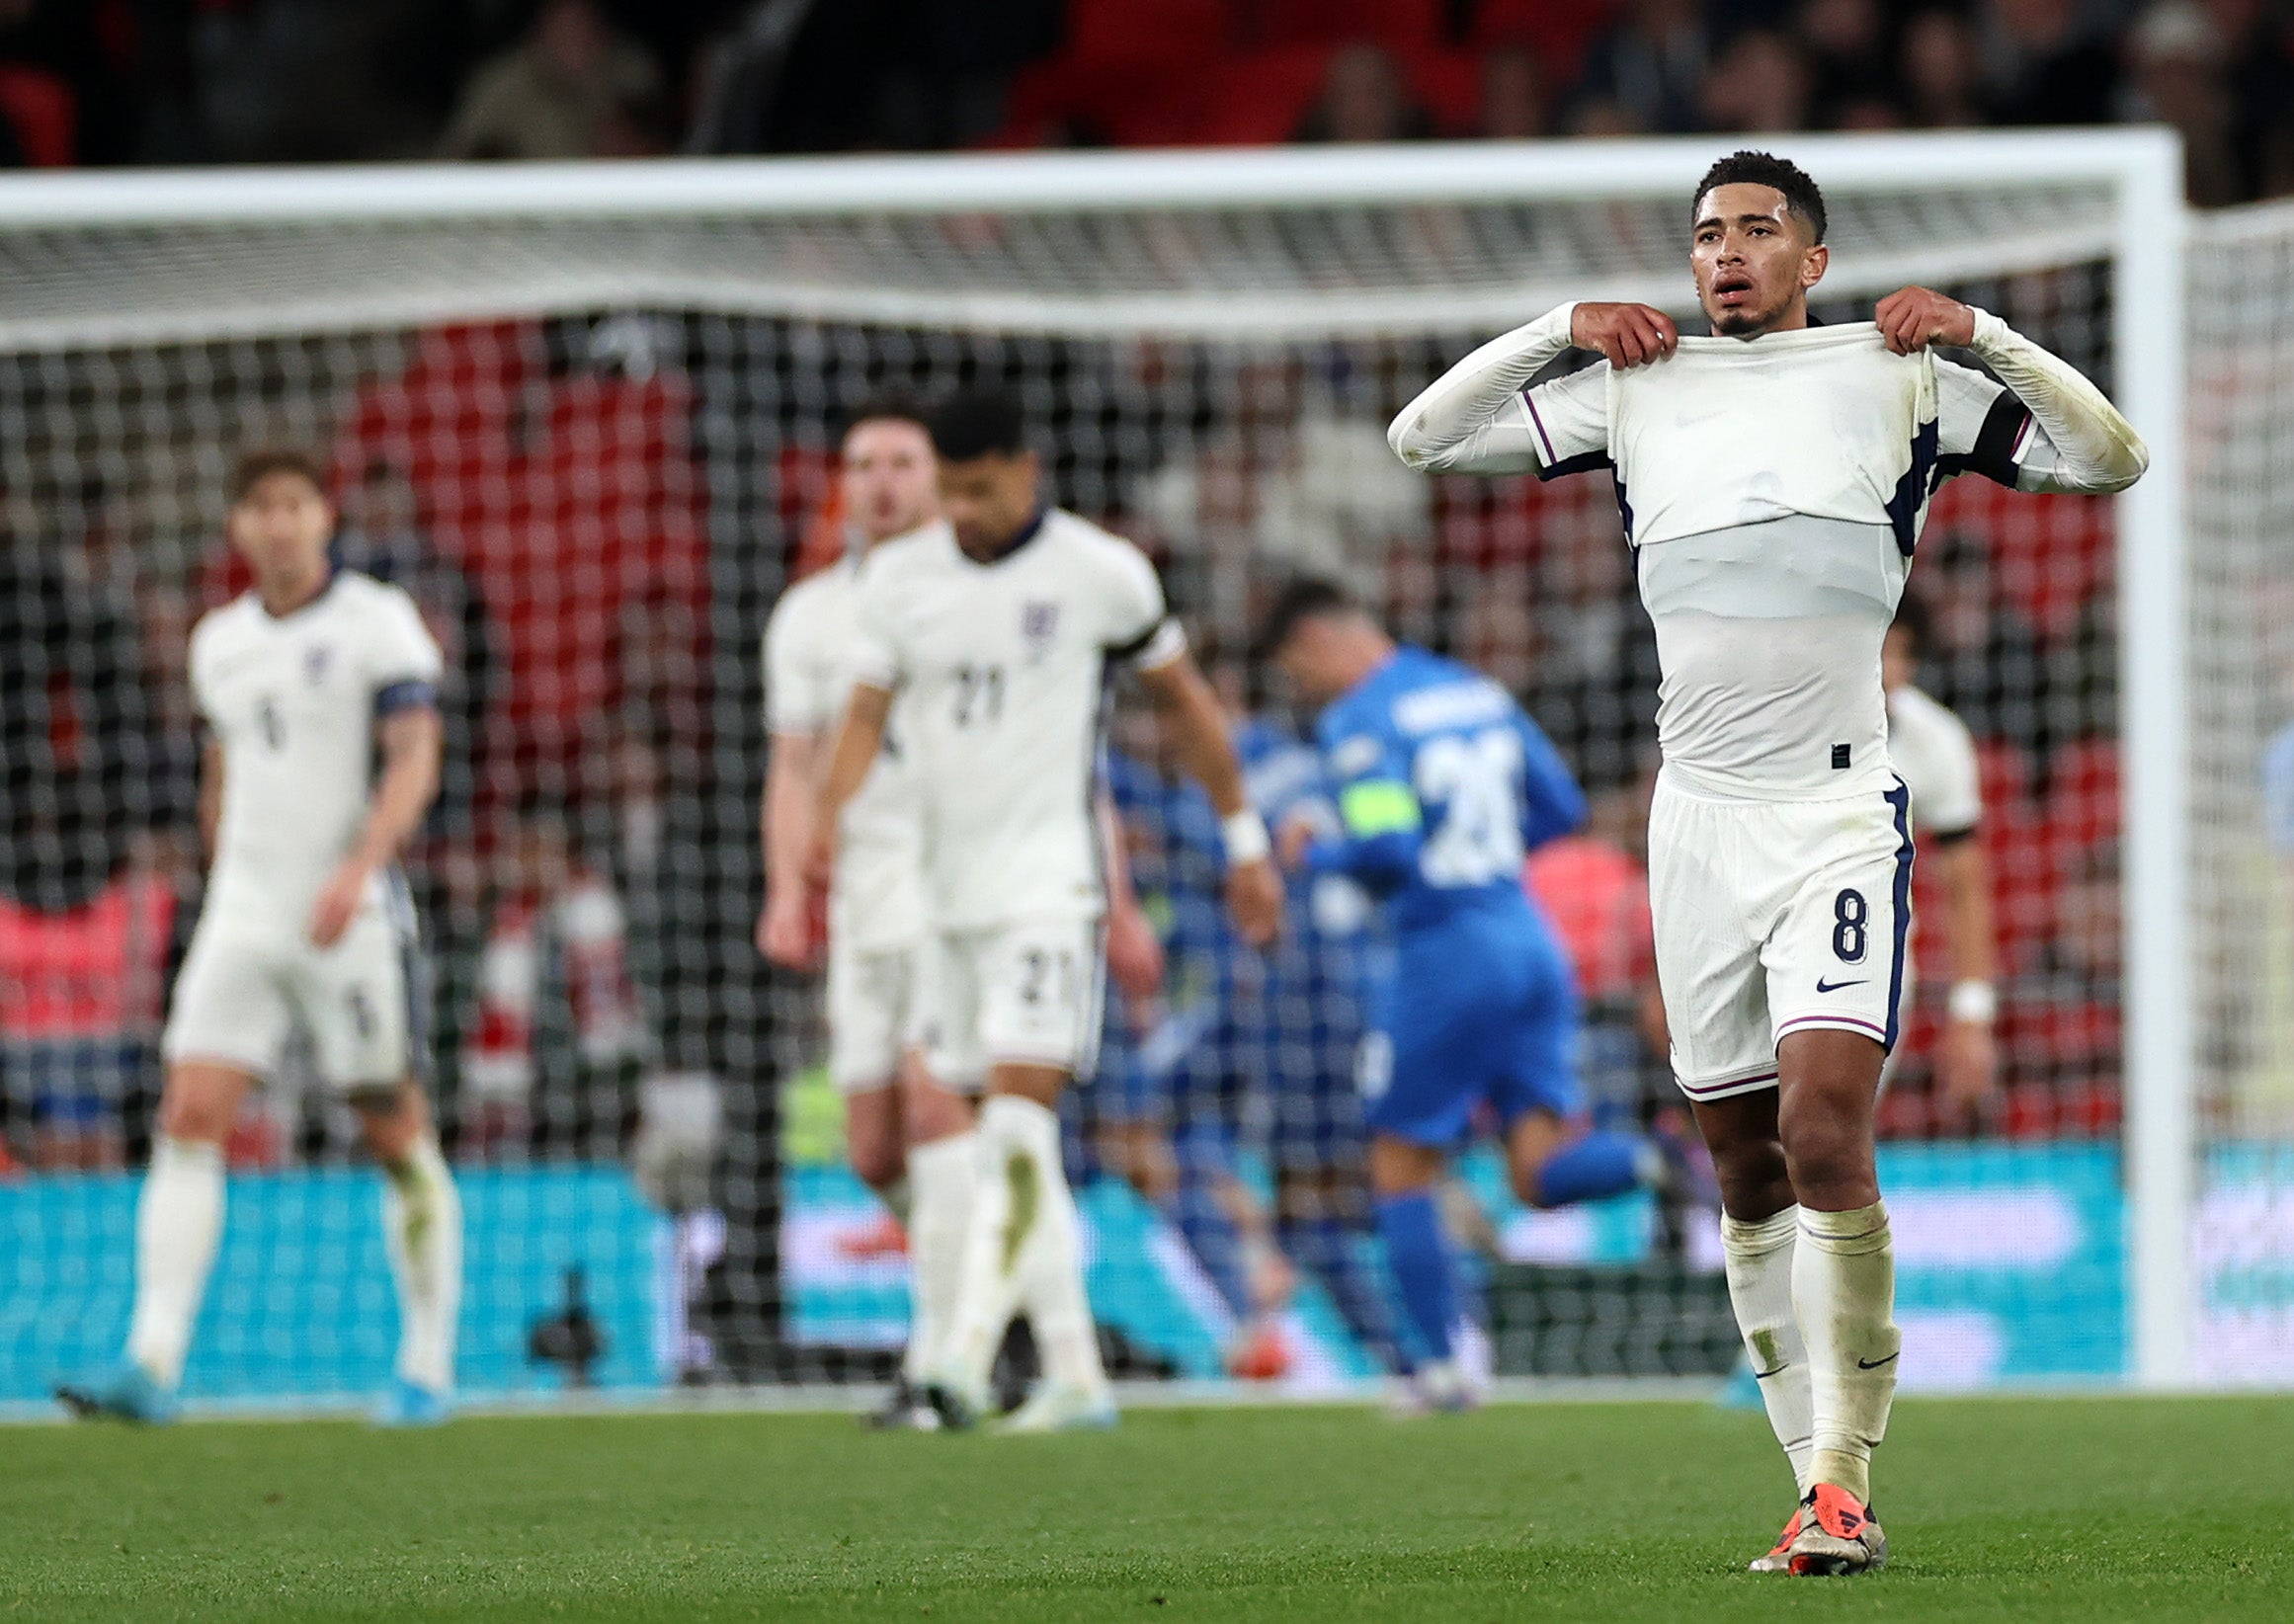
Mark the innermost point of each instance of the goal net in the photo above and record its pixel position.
(2242, 787)
(588, 417)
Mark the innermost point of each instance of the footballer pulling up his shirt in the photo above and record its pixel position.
(1773, 477)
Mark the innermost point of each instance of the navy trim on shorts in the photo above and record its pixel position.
(1901, 799)
(413, 974)
(1094, 1014)
(1704, 1090)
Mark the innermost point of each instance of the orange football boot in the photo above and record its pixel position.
(1838, 1535)
(1779, 1557)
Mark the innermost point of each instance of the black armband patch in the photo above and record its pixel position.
(1582, 462)
(1162, 629)
(1994, 454)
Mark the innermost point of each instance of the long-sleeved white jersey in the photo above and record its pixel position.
(1773, 490)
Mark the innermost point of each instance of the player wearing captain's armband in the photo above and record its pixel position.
(1773, 477)
(1443, 787)
(320, 691)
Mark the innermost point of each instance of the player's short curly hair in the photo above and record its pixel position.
(1802, 196)
(976, 422)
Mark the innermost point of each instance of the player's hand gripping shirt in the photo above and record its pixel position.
(1773, 490)
(294, 702)
(1000, 667)
(1443, 789)
(812, 645)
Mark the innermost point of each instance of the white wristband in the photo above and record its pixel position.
(1244, 835)
(1975, 1001)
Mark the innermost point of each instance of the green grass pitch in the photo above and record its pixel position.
(2088, 1510)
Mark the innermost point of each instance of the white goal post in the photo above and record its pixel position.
(1224, 247)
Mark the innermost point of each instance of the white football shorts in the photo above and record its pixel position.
(1772, 917)
(245, 986)
(1032, 993)
(879, 1008)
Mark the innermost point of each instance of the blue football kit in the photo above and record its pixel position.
(1444, 785)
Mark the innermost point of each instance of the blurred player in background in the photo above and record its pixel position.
(1443, 787)
(304, 683)
(1170, 1090)
(1935, 754)
(908, 1135)
(997, 629)
(1773, 482)
(1305, 1034)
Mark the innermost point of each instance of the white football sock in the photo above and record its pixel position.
(988, 1273)
(179, 1219)
(943, 1177)
(1051, 1268)
(422, 1230)
(1843, 1294)
(1759, 1266)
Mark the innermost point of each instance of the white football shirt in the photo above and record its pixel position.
(292, 701)
(1002, 668)
(1935, 757)
(876, 899)
(1773, 490)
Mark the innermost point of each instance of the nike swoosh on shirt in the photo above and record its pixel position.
(1824, 986)
(1874, 1364)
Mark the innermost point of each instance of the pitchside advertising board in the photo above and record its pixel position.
(2012, 1262)
(2011, 1273)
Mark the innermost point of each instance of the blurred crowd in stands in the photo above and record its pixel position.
(206, 81)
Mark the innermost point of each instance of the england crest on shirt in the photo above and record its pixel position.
(315, 661)
(1038, 624)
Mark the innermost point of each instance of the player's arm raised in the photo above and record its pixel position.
(1198, 733)
(1471, 419)
(2094, 448)
(411, 739)
(858, 740)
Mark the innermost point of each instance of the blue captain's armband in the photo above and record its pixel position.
(413, 694)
